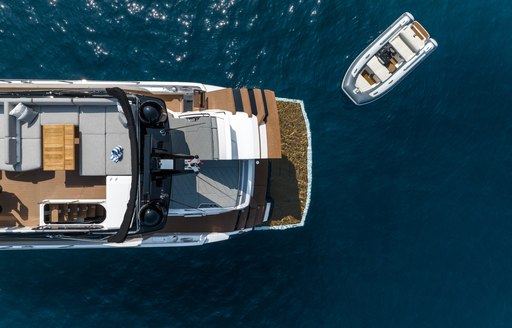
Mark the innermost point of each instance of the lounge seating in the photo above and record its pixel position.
(92, 154)
(21, 142)
(92, 139)
(122, 167)
(101, 127)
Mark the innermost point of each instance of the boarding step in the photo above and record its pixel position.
(257, 102)
(252, 102)
(272, 127)
(221, 99)
(73, 213)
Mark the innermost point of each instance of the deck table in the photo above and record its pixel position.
(58, 147)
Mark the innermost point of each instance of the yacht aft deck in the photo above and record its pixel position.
(24, 191)
(61, 157)
(217, 185)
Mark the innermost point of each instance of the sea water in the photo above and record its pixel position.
(411, 212)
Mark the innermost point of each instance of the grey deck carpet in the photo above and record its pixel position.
(217, 183)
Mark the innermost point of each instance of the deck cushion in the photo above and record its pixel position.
(92, 119)
(9, 121)
(23, 113)
(3, 155)
(31, 157)
(114, 120)
(10, 128)
(59, 114)
(32, 130)
(94, 102)
(411, 39)
(92, 154)
(123, 167)
(402, 48)
(10, 151)
(380, 70)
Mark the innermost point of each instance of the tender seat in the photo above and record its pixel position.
(378, 69)
(402, 48)
(362, 84)
(412, 40)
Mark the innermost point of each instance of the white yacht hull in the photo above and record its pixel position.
(21, 239)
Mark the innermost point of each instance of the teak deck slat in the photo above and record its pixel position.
(242, 219)
(221, 99)
(238, 100)
(273, 130)
(69, 147)
(23, 191)
(260, 105)
(246, 101)
(259, 200)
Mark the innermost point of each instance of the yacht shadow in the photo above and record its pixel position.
(74, 179)
(284, 191)
(179, 143)
(11, 205)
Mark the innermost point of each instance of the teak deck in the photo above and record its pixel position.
(23, 191)
(252, 102)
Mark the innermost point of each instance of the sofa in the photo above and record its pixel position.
(101, 126)
(20, 143)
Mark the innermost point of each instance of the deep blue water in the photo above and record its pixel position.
(411, 213)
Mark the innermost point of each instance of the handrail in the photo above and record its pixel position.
(122, 233)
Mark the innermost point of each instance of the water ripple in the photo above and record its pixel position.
(409, 222)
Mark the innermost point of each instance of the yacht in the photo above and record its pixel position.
(387, 60)
(102, 164)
